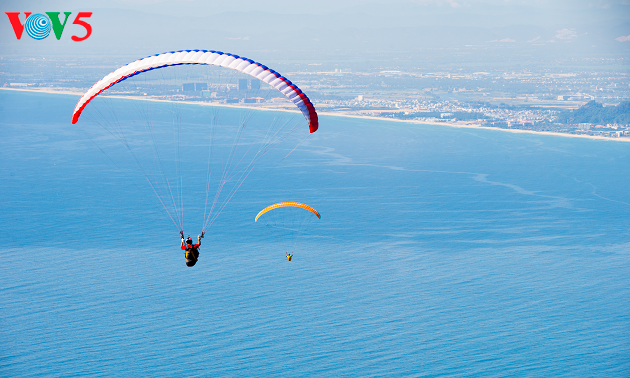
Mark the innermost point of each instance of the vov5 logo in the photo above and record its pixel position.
(38, 25)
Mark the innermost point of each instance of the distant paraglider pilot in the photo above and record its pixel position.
(192, 250)
(289, 256)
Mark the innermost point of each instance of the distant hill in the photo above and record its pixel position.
(594, 112)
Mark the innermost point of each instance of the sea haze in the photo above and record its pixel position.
(440, 251)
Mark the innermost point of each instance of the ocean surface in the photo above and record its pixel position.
(441, 252)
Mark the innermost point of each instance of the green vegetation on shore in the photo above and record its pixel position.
(596, 113)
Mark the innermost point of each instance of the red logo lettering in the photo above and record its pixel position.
(88, 27)
(18, 27)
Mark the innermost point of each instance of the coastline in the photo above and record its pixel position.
(469, 125)
(460, 124)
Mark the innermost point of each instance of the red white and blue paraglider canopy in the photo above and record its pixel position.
(209, 57)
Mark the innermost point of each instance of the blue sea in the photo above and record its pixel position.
(441, 252)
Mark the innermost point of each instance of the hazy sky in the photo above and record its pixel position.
(204, 8)
(142, 27)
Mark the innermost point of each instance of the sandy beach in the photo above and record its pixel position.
(276, 107)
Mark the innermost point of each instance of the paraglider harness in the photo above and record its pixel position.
(192, 252)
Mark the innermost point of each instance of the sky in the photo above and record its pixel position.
(205, 8)
(330, 27)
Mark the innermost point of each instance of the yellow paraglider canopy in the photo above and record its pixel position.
(285, 204)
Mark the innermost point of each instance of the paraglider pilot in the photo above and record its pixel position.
(289, 256)
(192, 250)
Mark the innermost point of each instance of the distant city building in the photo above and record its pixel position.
(575, 97)
(192, 87)
(254, 84)
(242, 84)
(209, 94)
